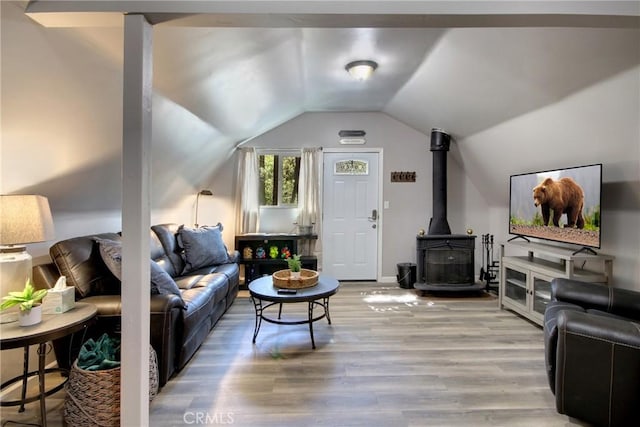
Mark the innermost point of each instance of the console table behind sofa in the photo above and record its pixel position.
(257, 267)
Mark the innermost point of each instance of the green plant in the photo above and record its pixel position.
(27, 298)
(294, 263)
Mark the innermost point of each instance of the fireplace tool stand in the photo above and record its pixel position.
(490, 267)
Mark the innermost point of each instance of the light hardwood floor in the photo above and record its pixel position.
(390, 358)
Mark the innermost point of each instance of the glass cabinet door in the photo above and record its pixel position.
(541, 293)
(515, 284)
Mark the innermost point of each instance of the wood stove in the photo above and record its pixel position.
(445, 261)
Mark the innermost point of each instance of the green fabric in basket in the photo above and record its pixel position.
(103, 353)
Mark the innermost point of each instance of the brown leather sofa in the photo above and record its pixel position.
(178, 325)
(592, 352)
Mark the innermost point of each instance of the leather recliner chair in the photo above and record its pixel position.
(592, 352)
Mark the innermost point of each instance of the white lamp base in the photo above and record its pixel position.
(15, 270)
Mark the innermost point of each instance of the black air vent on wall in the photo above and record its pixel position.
(351, 133)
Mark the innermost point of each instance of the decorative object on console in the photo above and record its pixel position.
(247, 253)
(23, 219)
(273, 252)
(201, 193)
(29, 302)
(285, 252)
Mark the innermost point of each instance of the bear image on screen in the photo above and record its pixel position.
(561, 205)
(563, 196)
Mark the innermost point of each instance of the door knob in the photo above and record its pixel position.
(374, 215)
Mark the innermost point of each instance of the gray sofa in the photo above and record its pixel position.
(181, 316)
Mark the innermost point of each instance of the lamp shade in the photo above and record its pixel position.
(25, 219)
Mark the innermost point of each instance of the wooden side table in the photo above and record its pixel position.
(53, 326)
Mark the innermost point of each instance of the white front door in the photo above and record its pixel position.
(350, 215)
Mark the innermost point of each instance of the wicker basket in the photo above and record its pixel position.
(93, 397)
(282, 279)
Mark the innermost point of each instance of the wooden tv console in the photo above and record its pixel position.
(525, 280)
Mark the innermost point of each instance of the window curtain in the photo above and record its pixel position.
(309, 193)
(247, 192)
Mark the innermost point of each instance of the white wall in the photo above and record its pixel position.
(62, 132)
(599, 124)
(404, 149)
(61, 136)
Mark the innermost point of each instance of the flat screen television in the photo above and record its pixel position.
(561, 205)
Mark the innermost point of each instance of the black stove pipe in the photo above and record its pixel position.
(440, 141)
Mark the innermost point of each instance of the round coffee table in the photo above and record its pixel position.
(265, 295)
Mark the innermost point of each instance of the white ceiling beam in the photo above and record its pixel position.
(580, 7)
(352, 13)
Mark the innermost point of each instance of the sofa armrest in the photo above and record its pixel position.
(45, 276)
(234, 257)
(551, 336)
(621, 302)
(166, 311)
(162, 303)
(598, 368)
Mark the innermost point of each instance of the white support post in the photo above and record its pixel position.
(136, 159)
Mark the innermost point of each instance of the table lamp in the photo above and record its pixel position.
(23, 219)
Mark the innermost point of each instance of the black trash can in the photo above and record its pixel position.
(407, 275)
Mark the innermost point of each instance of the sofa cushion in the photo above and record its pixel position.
(79, 260)
(172, 261)
(111, 254)
(232, 271)
(217, 283)
(202, 247)
(161, 282)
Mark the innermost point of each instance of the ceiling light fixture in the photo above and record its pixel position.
(361, 70)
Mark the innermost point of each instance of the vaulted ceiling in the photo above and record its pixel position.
(245, 73)
(464, 66)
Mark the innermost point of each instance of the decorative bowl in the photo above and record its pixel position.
(282, 279)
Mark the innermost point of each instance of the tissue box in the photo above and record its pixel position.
(59, 301)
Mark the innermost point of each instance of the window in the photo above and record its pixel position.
(351, 167)
(279, 176)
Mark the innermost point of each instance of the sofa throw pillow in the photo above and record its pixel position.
(162, 282)
(202, 247)
(111, 253)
